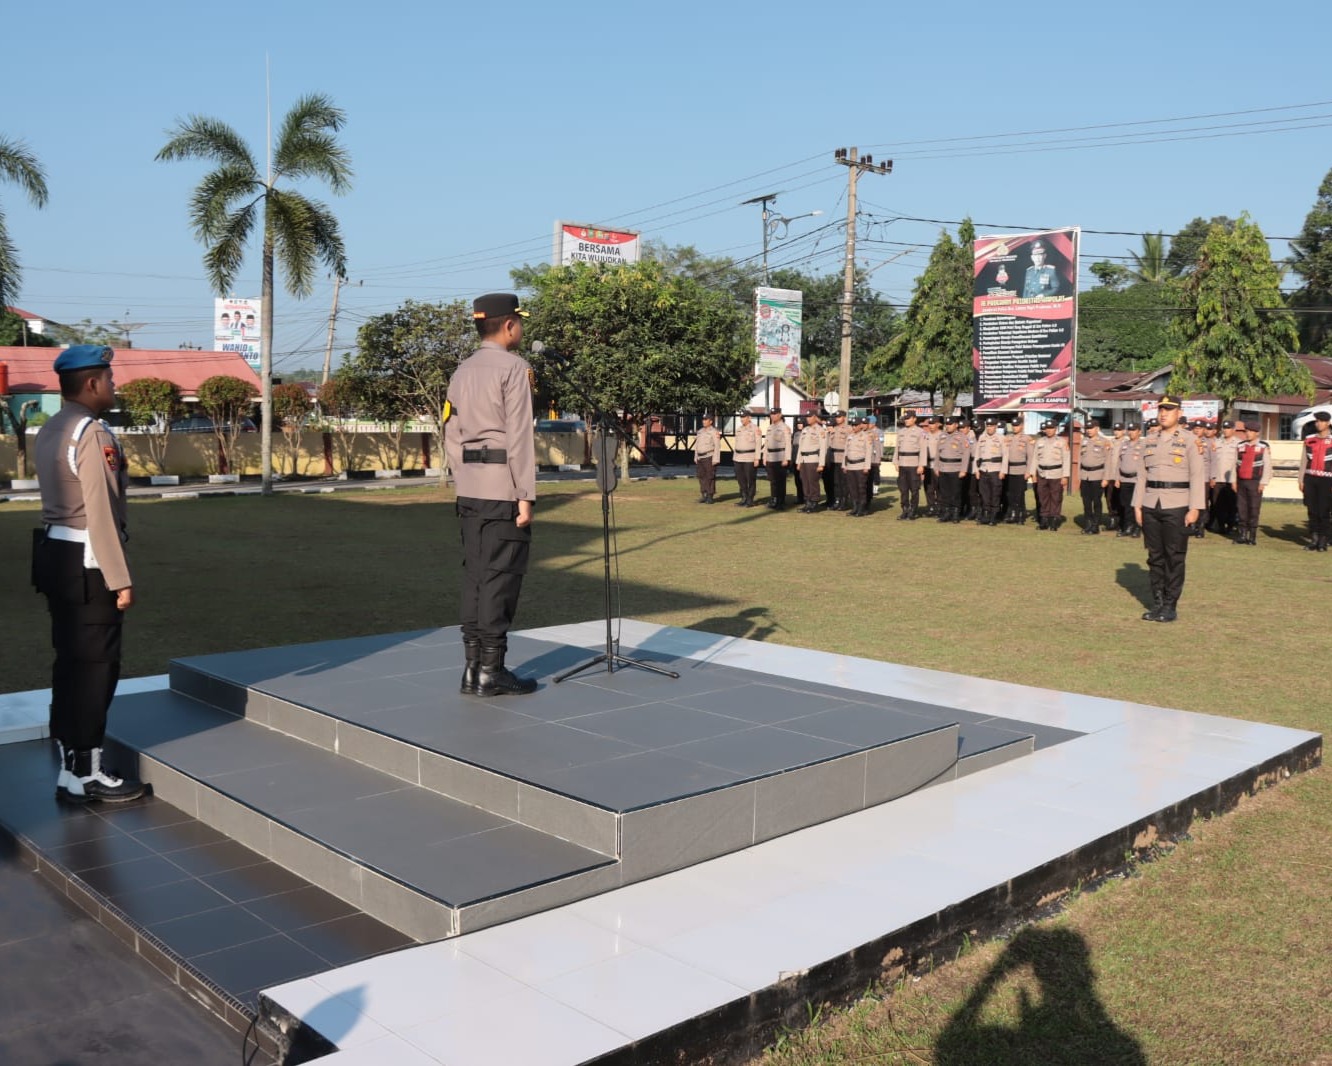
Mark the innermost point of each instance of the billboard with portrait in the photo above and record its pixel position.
(1024, 320)
(777, 320)
(236, 327)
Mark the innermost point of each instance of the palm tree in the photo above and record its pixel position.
(1149, 265)
(19, 165)
(297, 230)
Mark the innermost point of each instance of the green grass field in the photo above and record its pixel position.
(1215, 953)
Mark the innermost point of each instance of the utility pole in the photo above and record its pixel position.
(332, 322)
(850, 158)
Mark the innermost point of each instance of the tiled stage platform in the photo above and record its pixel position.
(712, 846)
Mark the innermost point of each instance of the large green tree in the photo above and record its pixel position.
(1186, 245)
(933, 350)
(20, 166)
(153, 403)
(238, 195)
(1237, 336)
(1311, 259)
(14, 331)
(640, 341)
(1125, 329)
(405, 358)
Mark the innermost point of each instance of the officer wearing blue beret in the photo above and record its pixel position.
(79, 564)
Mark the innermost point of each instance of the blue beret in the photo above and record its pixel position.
(83, 357)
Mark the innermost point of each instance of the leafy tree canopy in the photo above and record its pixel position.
(1125, 328)
(14, 331)
(1238, 338)
(1311, 259)
(405, 358)
(1186, 245)
(641, 340)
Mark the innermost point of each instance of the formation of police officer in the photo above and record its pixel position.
(1253, 473)
(1049, 473)
(911, 458)
(988, 455)
(1125, 467)
(707, 457)
(776, 450)
(745, 453)
(1094, 462)
(856, 468)
(1315, 480)
(79, 564)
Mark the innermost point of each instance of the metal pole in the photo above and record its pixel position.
(848, 283)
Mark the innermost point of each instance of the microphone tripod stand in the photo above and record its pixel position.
(609, 434)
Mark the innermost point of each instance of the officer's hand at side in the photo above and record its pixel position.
(1137, 515)
(1191, 517)
(124, 599)
(524, 513)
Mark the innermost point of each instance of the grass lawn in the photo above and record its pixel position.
(1215, 953)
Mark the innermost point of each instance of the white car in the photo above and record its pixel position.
(1302, 424)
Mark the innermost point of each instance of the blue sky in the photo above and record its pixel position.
(473, 129)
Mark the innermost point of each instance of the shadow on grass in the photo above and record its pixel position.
(1290, 533)
(1063, 1023)
(1135, 580)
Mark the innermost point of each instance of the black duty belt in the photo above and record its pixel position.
(745, 451)
(1057, 466)
(986, 462)
(485, 455)
(1168, 484)
(838, 451)
(1090, 468)
(908, 455)
(1128, 477)
(1013, 468)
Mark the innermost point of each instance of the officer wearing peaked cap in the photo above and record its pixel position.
(776, 456)
(1170, 492)
(746, 459)
(80, 565)
(488, 437)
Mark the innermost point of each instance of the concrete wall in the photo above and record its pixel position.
(195, 454)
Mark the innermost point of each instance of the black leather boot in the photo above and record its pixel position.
(88, 780)
(472, 655)
(493, 678)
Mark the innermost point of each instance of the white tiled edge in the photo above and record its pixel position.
(561, 987)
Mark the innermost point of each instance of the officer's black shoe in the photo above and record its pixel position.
(494, 679)
(904, 515)
(1150, 615)
(1166, 614)
(1312, 546)
(87, 780)
(771, 502)
(472, 663)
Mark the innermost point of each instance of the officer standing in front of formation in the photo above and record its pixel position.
(1018, 450)
(1094, 472)
(1050, 462)
(79, 564)
(745, 457)
(707, 454)
(952, 459)
(988, 469)
(856, 466)
(809, 460)
(488, 437)
(834, 483)
(776, 456)
(1316, 481)
(1167, 501)
(1125, 466)
(910, 458)
(1253, 471)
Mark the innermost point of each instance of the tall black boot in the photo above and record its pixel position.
(88, 780)
(472, 663)
(1153, 613)
(494, 679)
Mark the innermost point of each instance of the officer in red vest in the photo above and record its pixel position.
(1316, 481)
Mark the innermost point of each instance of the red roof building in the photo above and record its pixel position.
(30, 372)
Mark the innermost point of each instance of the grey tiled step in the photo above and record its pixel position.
(425, 864)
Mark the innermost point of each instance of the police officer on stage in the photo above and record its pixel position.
(707, 454)
(910, 458)
(745, 457)
(776, 455)
(489, 441)
(79, 564)
(1170, 493)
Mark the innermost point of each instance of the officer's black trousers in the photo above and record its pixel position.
(809, 483)
(1226, 508)
(777, 484)
(857, 488)
(1318, 502)
(990, 491)
(86, 634)
(1167, 541)
(495, 551)
(1249, 501)
(745, 479)
(830, 470)
(1091, 498)
(1015, 493)
(950, 492)
(908, 487)
(706, 469)
(1049, 496)
(840, 485)
(1126, 503)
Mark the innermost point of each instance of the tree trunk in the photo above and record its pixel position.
(266, 367)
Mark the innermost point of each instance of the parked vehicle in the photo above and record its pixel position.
(203, 424)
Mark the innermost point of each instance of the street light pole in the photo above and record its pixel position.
(850, 158)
